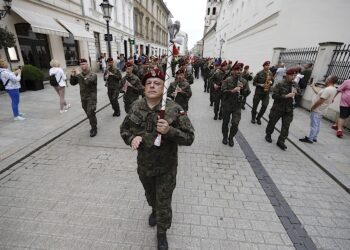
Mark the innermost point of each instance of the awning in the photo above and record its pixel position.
(78, 31)
(41, 23)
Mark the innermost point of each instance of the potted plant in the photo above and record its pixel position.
(33, 77)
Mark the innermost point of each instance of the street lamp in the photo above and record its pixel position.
(222, 41)
(106, 10)
(7, 8)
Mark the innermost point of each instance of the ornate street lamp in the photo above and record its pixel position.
(7, 8)
(106, 10)
(222, 41)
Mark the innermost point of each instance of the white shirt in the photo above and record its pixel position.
(59, 74)
(280, 73)
(328, 94)
(14, 81)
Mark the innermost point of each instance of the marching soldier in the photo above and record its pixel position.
(206, 73)
(196, 66)
(180, 90)
(112, 76)
(188, 74)
(248, 76)
(157, 166)
(216, 80)
(131, 87)
(263, 82)
(283, 94)
(231, 89)
(135, 68)
(88, 92)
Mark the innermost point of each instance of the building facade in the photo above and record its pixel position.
(197, 49)
(251, 29)
(183, 46)
(212, 11)
(66, 30)
(150, 26)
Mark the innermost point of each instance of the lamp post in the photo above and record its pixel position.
(222, 41)
(7, 8)
(106, 10)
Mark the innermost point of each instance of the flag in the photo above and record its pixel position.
(175, 50)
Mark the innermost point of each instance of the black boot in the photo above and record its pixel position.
(220, 116)
(258, 120)
(281, 145)
(253, 119)
(152, 219)
(93, 132)
(215, 116)
(116, 113)
(162, 241)
(224, 141)
(268, 138)
(230, 142)
(211, 104)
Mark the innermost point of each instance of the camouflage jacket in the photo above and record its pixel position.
(135, 69)
(217, 79)
(281, 103)
(260, 78)
(113, 80)
(88, 85)
(133, 91)
(182, 98)
(232, 100)
(142, 121)
(189, 77)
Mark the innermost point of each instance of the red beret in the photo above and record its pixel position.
(266, 63)
(236, 67)
(246, 67)
(128, 64)
(292, 71)
(180, 71)
(82, 60)
(157, 73)
(240, 64)
(110, 59)
(229, 62)
(224, 64)
(182, 63)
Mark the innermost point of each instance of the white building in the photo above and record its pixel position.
(197, 49)
(251, 29)
(183, 47)
(212, 11)
(66, 30)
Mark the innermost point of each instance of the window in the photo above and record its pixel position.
(97, 44)
(208, 12)
(214, 11)
(71, 50)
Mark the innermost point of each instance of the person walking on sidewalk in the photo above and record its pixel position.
(248, 76)
(263, 82)
(319, 105)
(180, 90)
(58, 82)
(344, 89)
(88, 92)
(282, 108)
(112, 76)
(157, 166)
(11, 82)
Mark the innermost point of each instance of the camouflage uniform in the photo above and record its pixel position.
(196, 68)
(248, 77)
(217, 77)
(182, 98)
(157, 166)
(282, 108)
(113, 87)
(260, 94)
(133, 92)
(135, 69)
(189, 77)
(88, 94)
(206, 74)
(231, 105)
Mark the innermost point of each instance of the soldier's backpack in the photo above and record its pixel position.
(2, 84)
(53, 80)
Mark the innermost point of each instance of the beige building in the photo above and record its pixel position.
(150, 26)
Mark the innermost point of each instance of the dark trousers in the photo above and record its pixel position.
(159, 190)
(206, 84)
(196, 73)
(287, 118)
(217, 101)
(236, 118)
(264, 98)
(89, 107)
(113, 99)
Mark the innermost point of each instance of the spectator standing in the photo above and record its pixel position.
(11, 81)
(280, 73)
(319, 105)
(344, 89)
(57, 72)
(103, 62)
(303, 82)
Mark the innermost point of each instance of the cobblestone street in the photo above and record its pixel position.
(84, 193)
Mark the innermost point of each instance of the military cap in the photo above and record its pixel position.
(128, 64)
(180, 71)
(267, 63)
(240, 65)
(236, 67)
(110, 59)
(246, 67)
(292, 71)
(82, 60)
(153, 73)
(224, 64)
(182, 63)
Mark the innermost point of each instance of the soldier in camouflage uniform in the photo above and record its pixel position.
(283, 94)
(196, 66)
(206, 73)
(131, 87)
(112, 76)
(248, 76)
(263, 82)
(180, 90)
(88, 92)
(135, 68)
(231, 89)
(215, 82)
(157, 166)
(188, 74)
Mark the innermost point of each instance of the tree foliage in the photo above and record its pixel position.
(7, 39)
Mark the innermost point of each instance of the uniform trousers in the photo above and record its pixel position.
(89, 107)
(287, 118)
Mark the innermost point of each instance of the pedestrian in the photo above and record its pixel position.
(344, 89)
(248, 76)
(319, 104)
(180, 90)
(112, 76)
(103, 62)
(263, 82)
(231, 89)
(131, 87)
(303, 82)
(11, 82)
(280, 73)
(58, 82)
(88, 92)
(157, 166)
(282, 108)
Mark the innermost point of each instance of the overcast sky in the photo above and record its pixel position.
(191, 15)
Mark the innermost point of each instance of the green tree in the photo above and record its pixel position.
(7, 39)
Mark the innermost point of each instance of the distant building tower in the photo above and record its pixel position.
(212, 12)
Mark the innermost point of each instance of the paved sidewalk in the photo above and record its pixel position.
(44, 122)
(329, 152)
